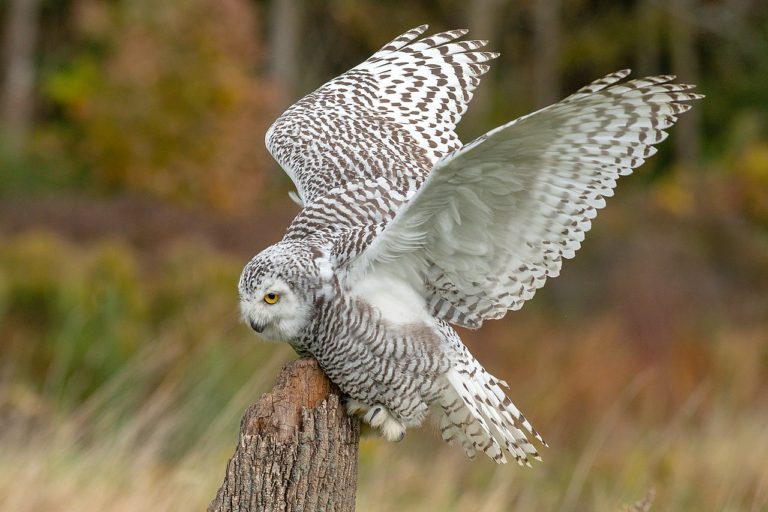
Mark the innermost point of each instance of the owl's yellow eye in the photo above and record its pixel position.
(271, 298)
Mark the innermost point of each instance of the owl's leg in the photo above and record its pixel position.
(378, 417)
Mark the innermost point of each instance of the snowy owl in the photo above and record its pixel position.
(404, 231)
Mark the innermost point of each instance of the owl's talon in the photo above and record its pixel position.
(378, 417)
(373, 418)
(374, 412)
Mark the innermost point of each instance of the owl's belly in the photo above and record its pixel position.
(380, 346)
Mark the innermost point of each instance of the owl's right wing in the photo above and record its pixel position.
(496, 217)
(393, 116)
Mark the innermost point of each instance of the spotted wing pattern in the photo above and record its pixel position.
(496, 217)
(392, 116)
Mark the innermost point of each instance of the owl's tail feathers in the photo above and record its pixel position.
(478, 416)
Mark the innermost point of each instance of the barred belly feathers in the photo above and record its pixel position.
(404, 231)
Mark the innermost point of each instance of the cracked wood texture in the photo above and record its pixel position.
(297, 449)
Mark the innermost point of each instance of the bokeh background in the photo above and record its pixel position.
(134, 186)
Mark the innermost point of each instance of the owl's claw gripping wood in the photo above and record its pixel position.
(378, 417)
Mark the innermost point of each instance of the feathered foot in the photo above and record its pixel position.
(378, 417)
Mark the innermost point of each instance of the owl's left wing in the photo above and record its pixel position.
(392, 116)
(495, 218)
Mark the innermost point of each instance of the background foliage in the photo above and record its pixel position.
(134, 185)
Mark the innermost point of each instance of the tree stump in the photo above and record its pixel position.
(297, 449)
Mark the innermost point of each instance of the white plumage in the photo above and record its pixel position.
(496, 217)
(404, 231)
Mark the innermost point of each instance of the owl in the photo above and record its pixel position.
(405, 232)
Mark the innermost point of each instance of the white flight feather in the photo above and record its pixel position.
(496, 217)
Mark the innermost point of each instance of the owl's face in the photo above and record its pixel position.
(274, 311)
(276, 292)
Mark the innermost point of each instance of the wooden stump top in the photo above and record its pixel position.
(297, 449)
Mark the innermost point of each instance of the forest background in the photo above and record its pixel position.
(134, 185)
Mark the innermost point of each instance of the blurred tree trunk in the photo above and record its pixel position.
(297, 449)
(546, 51)
(685, 65)
(483, 16)
(648, 31)
(16, 96)
(284, 46)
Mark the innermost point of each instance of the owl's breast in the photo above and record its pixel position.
(396, 300)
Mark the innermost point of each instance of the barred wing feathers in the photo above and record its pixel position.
(496, 217)
(392, 116)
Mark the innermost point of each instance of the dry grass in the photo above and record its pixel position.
(123, 393)
(713, 463)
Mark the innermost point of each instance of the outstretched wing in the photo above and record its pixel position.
(391, 116)
(496, 217)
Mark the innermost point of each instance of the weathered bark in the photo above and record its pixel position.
(297, 449)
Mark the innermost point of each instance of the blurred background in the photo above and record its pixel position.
(134, 185)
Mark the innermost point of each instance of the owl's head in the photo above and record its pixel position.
(278, 290)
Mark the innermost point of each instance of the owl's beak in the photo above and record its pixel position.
(257, 326)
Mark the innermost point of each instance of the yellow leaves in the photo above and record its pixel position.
(167, 99)
(751, 167)
(74, 85)
(755, 161)
(735, 186)
(674, 196)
